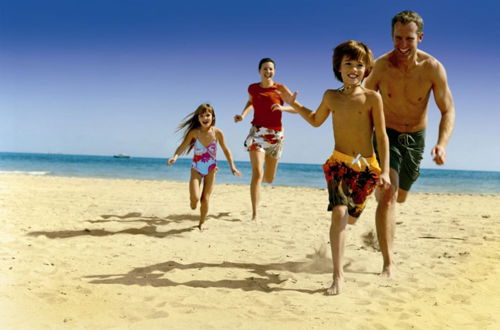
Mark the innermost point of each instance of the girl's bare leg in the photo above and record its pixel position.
(194, 188)
(208, 186)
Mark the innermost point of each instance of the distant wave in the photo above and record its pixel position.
(25, 172)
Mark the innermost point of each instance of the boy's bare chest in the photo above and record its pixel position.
(351, 110)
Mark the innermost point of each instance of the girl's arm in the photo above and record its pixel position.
(180, 150)
(227, 153)
(245, 111)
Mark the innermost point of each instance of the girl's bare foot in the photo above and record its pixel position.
(202, 221)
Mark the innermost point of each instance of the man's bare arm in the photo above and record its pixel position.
(372, 81)
(444, 101)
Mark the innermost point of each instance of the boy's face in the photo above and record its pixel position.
(205, 119)
(406, 39)
(353, 71)
(267, 70)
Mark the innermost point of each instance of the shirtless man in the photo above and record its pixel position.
(405, 78)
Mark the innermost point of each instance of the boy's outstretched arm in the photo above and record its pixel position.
(185, 143)
(315, 118)
(382, 140)
(220, 137)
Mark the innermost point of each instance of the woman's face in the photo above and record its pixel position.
(267, 70)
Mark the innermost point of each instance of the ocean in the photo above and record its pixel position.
(289, 174)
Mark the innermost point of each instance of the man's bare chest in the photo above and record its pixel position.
(411, 86)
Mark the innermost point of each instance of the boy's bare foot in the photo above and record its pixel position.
(193, 205)
(336, 287)
(254, 216)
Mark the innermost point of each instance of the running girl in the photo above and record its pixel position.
(202, 136)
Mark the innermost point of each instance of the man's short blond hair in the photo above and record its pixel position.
(408, 16)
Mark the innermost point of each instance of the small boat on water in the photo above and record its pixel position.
(121, 156)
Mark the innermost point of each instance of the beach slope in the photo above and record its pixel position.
(126, 254)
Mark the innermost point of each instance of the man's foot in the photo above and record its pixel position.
(336, 287)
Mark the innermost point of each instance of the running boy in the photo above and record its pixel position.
(352, 171)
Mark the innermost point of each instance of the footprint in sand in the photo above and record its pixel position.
(362, 284)
(158, 315)
(363, 302)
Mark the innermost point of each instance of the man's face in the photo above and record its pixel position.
(406, 39)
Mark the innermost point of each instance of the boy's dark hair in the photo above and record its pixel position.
(408, 16)
(353, 50)
(265, 60)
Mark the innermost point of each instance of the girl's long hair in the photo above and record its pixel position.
(191, 122)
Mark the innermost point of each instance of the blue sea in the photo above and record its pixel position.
(304, 175)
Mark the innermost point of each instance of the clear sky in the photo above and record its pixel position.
(103, 77)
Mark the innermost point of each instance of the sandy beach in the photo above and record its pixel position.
(78, 253)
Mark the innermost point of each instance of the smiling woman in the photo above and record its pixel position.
(264, 142)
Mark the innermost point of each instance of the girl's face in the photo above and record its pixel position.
(206, 118)
(353, 71)
(267, 70)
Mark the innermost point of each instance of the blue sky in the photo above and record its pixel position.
(106, 77)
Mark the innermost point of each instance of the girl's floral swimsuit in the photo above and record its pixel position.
(204, 160)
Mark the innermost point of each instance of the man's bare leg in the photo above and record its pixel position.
(385, 220)
(257, 160)
(337, 243)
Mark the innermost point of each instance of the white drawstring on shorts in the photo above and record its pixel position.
(358, 160)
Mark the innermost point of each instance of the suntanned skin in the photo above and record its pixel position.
(206, 134)
(263, 166)
(356, 112)
(405, 78)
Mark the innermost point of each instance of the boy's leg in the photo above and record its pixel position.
(257, 159)
(194, 188)
(337, 242)
(208, 187)
(385, 220)
(270, 169)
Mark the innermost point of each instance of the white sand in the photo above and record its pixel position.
(92, 253)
